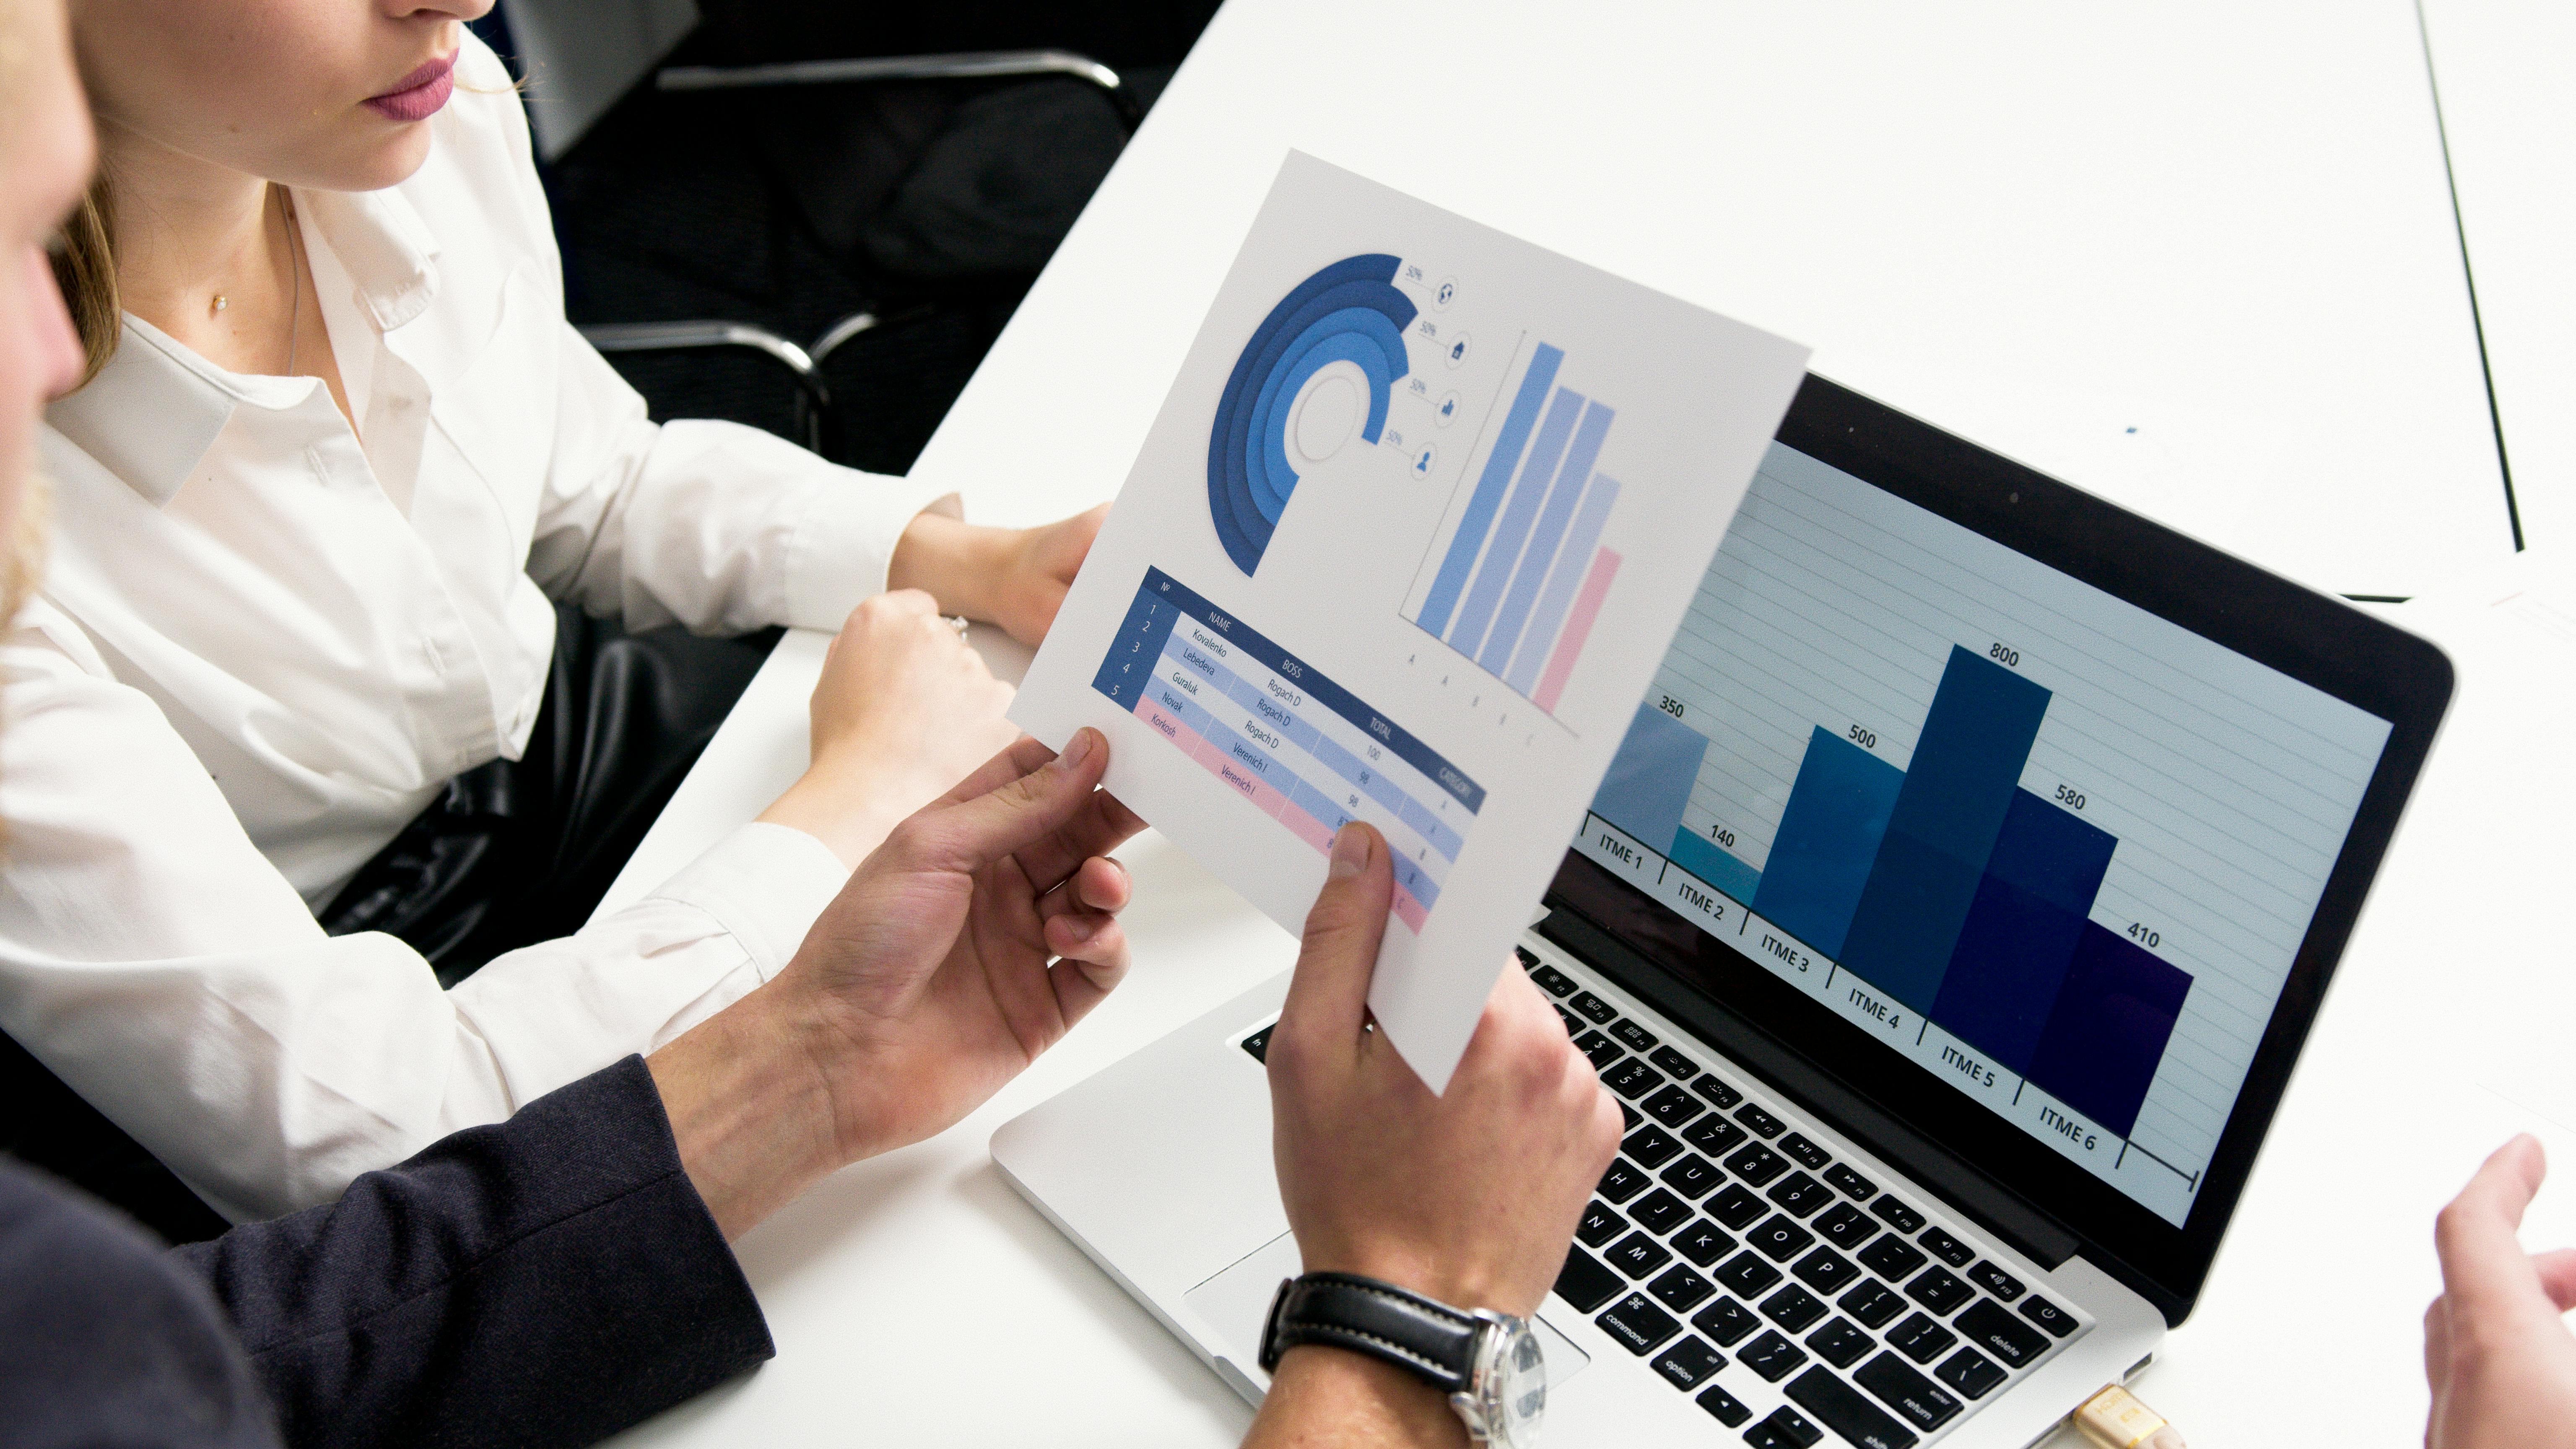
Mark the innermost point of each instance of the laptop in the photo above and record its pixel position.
(1947, 925)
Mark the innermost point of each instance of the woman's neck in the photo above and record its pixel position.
(207, 254)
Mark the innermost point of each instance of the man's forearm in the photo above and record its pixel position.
(750, 1107)
(1330, 1396)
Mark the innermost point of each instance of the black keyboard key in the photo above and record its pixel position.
(1771, 1356)
(1992, 1327)
(1747, 1275)
(1845, 1226)
(1736, 1206)
(1600, 1224)
(1638, 1255)
(1757, 1164)
(1691, 1176)
(1659, 1211)
(1726, 1408)
(1897, 1215)
(1763, 1123)
(1726, 1320)
(1638, 1325)
(1873, 1303)
(1939, 1291)
(1258, 1044)
(1793, 1308)
(1800, 1194)
(1780, 1239)
(1850, 1182)
(1826, 1271)
(1689, 1363)
(1892, 1258)
(1996, 1281)
(1840, 1343)
(2056, 1320)
(1703, 1242)
(1601, 1049)
(1552, 981)
(1593, 1009)
(1623, 1180)
(1628, 1118)
(1917, 1399)
(1788, 1429)
(1529, 958)
(1714, 1135)
(1808, 1154)
(1681, 1290)
(1947, 1248)
(1632, 1079)
(1717, 1092)
(1650, 1146)
(1920, 1339)
(1674, 1107)
(1584, 1283)
(1632, 1036)
(1573, 1023)
(1673, 1064)
(1969, 1373)
(1845, 1412)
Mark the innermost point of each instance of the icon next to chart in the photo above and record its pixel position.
(1517, 573)
(1942, 907)
(1292, 743)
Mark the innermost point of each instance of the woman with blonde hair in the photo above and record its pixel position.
(349, 656)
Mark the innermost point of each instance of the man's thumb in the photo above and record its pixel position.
(1018, 812)
(1329, 994)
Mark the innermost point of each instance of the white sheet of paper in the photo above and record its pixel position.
(1406, 543)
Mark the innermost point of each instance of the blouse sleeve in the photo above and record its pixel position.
(153, 960)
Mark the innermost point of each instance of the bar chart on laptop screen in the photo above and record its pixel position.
(2054, 849)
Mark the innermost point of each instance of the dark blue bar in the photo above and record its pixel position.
(1128, 668)
(1160, 587)
(1836, 816)
(2021, 933)
(1487, 500)
(2099, 1051)
(1960, 782)
(1538, 470)
(1650, 778)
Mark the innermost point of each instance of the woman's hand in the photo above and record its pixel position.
(1014, 577)
(904, 710)
(2497, 1353)
(971, 941)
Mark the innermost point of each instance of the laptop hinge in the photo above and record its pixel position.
(2038, 1236)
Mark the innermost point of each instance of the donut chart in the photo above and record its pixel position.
(1350, 312)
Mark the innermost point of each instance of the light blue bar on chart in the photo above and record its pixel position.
(1487, 500)
(1467, 636)
(1552, 518)
(1562, 581)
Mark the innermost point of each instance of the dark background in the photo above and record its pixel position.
(931, 204)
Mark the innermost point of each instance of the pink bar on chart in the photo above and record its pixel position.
(1306, 827)
(1578, 626)
(1409, 910)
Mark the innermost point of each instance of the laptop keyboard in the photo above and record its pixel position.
(1788, 1292)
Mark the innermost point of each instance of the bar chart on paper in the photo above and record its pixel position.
(1516, 575)
(2053, 849)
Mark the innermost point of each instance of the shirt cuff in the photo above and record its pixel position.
(841, 553)
(764, 884)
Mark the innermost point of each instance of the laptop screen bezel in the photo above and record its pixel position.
(2317, 640)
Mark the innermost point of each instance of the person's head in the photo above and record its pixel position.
(45, 154)
(332, 95)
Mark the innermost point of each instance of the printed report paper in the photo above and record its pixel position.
(1406, 545)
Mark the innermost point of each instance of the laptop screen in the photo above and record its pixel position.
(2052, 849)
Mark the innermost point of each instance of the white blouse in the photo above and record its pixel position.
(265, 642)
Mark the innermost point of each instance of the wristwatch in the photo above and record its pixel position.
(1489, 1364)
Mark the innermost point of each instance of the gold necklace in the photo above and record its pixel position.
(295, 279)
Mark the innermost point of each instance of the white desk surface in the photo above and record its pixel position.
(2029, 231)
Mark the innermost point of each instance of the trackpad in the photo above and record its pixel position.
(1235, 1302)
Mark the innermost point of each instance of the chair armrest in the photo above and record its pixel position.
(968, 65)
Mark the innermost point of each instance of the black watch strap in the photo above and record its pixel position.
(1378, 1319)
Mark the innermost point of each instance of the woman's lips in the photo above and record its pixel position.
(417, 96)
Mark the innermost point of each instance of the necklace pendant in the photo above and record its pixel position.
(221, 301)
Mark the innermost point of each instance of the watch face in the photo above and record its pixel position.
(1511, 1382)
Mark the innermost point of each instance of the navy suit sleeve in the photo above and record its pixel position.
(546, 1281)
